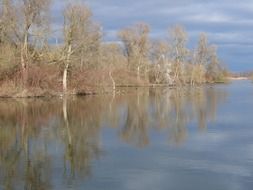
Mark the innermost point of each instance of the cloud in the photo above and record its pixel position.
(226, 22)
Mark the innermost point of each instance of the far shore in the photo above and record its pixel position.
(237, 78)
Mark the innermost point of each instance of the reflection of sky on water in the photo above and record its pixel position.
(106, 145)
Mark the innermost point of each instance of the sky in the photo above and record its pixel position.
(228, 23)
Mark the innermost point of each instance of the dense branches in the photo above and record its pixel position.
(83, 60)
(136, 45)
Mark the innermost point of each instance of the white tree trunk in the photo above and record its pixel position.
(65, 72)
(24, 61)
(113, 82)
(138, 73)
(64, 79)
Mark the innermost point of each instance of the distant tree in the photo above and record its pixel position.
(206, 62)
(7, 22)
(179, 51)
(200, 61)
(112, 58)
(81, 38)
(24, 45)
(18, 19)
(136, 44)
(32, 14)
(161, 67)
(8, 41)
(214, 71)
(202, 52)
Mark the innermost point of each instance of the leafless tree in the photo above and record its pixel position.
(112, 58)
(214, 70)
(179, 51)
(81, 37)
(31, 14)
(136, 43)
(162, 65)
(7, 21)
(200, 60)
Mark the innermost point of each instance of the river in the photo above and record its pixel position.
(144, 138)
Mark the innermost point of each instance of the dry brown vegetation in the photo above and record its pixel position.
(83, 63)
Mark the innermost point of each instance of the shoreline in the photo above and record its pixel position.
(238, 78)
(121, 89)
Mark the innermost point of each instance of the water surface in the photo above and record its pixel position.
(158, 138)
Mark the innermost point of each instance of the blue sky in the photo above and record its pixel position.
(228, 23)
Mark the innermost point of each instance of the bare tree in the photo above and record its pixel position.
(8, 44)
(112, 58)
(200, 60)
(32, 14)
(161, 67)
(81, 35)
(214, 70)
(17, 20)
(24, 36)
(179, 51)
(7, 21)
(206, 62)
(202, 51)
(136, 43)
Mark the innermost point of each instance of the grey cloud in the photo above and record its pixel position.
(226, 21)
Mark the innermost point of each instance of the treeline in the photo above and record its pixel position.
(32, 65)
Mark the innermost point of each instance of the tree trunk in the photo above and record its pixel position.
(64, 79)
(65, 72)
(24, 61)
(113, 82)
(23, 69)
(138, 68)
(192, 75)
(138, 73)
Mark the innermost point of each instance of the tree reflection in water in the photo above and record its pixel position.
(30, 128)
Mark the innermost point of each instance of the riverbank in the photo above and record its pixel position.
(238, 78)
(89, 90)
(45, 81)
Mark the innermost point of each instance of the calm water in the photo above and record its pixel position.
(199, 138)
